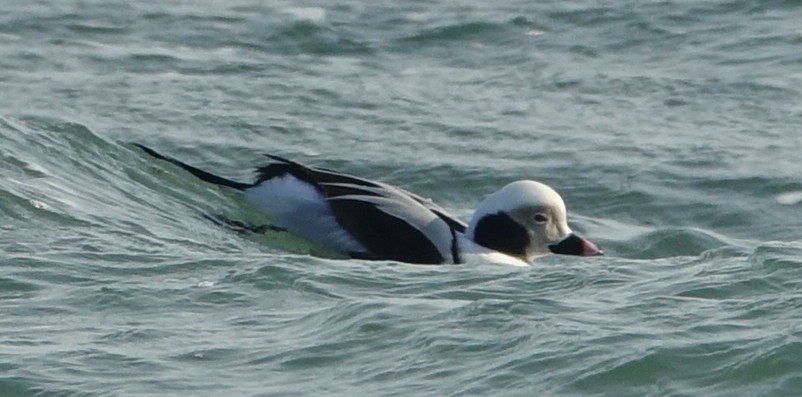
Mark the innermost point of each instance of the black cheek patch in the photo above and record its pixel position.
(499, 232)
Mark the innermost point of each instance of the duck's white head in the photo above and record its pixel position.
(526, 219)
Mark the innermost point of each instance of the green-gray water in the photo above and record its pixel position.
(672, 129)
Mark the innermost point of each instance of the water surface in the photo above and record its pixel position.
(672, 130)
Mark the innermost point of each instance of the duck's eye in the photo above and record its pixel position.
(540, 218)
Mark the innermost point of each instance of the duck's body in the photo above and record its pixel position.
(366, 219)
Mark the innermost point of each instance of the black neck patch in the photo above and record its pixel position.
(499, 232)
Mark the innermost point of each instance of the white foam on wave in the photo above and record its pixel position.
(789, 198)
(312, 14)
(417, 16)
(39, 205)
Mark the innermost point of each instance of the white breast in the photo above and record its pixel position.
(471, 252)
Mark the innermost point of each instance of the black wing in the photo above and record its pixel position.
(391, 223)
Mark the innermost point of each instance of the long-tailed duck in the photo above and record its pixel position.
(365, 219)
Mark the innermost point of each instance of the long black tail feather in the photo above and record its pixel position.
(201, 174)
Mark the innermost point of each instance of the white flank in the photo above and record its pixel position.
(298, 207)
